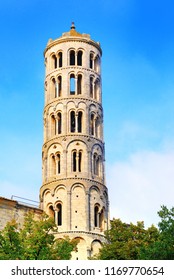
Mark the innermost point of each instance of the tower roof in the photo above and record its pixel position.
(71, 35)
(74, 33)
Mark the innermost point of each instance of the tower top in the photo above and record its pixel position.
(72, 35)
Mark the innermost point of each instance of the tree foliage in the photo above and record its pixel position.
(126, 240)
(163, 247)
(132, 242)
(34, 241)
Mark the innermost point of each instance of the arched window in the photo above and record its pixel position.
(96, 162)
(91, 61)
(53, 126)
(97, 127)
(53, 165)
(80, 161)
(51, 211)
(79, 118)
(60, 58)
(79, 84)
(72, 84)
(72, 121)
(59, 214)
(54, 59)
(101, 219)
(96, 63)
(59, 86)
(79, 58)
(96, 90)
(92, 124)
(74, 167)
(72, 57)
(91, 87)
(77, 161)
(58, 163)
(96, 216)
(53, 88)
(59, 123)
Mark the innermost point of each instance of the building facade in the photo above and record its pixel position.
(73, 154)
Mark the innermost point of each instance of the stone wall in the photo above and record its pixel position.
(12, 209)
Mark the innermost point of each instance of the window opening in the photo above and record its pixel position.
(91, 87)
(96, 164)
(53, 165)
(54, 61)
(80, 161)
(58, 163)
(72, 84)
(59, 90)
(59, 214)
(53, 125)
(51, 211)
(74, 161)
(91, 61)
(79, 58)
(96, 212)
(79, 118)
(79, 84)
(60, 59)
(72, 117)
(59, 123)
(72, 57)
(92, 124)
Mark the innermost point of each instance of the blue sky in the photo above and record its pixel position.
(138, 96)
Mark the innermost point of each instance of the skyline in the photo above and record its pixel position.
(138, 97)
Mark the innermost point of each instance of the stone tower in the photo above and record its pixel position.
(73, 155)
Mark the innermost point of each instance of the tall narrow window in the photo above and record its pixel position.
(59, 89)
(58, 163)
(79, 121)
(72, 57)
(91, 87)
(97, 165)
(54, 58)
(96, 63)
(79, 84)
(72, 121)
(91, 61)
(53, 126)
(96, 90)
(96, 216)
(96, 162)
(79, 58)
(74, 167)
(59, 122)
(97, 127)
(72, 84)
(51, 211)
(54, 88)
(101, 219)
(80, 161)
(59, 214)
(60, 59)
(92, 126)
(53, 166)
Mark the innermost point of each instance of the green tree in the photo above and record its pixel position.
(34, 241)
(125, 241)
(163, 247)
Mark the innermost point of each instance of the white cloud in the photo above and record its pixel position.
(140, 185)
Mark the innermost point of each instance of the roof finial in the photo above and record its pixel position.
(73, 25)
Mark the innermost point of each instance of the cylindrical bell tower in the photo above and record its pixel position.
(73, 154)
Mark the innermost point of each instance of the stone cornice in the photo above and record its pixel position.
(72, 39)
(76, 179)
(59, 99)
